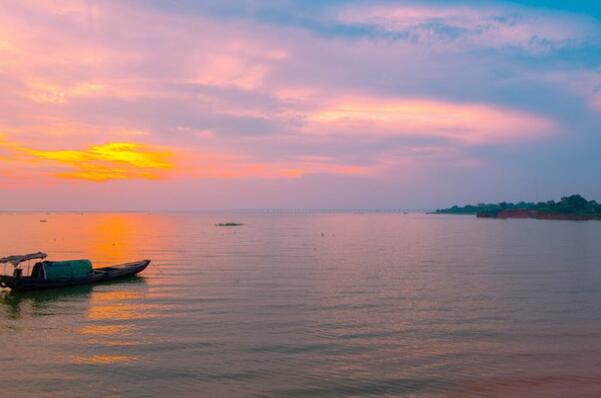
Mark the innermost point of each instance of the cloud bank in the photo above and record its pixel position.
(378, 92)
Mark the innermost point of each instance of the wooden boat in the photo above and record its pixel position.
(79, 272)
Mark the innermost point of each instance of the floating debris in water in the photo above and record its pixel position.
(229, 224)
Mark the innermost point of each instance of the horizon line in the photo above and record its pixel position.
(249, 210)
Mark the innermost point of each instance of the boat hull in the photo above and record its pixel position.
(99, 275)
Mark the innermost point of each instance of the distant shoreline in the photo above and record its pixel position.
(573, 208)
(539, 215)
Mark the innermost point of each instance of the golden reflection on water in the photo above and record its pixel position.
(104, 238)
(117, 305)
(104, 359)
(103, 330)
(116, 295)
(112, 238)
(116, 311)
(106, 319)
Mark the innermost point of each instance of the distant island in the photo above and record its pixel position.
(573, 207)
(229, 224)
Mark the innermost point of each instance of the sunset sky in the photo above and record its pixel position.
(183, 104)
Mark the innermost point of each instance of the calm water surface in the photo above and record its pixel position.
(308, 305)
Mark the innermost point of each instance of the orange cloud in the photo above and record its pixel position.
(127, 161)
(468, 123)
(113, 161)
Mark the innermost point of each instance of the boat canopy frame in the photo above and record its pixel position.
(17, 260)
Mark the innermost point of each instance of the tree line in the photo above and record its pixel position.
(573, 204)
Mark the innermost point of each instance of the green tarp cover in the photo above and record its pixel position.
(55, 270)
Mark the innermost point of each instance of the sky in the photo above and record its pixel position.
(329, 104)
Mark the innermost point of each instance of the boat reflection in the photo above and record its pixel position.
(45, 302)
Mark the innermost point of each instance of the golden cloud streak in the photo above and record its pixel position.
(128, 161)
(112, 161)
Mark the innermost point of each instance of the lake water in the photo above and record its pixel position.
(308, 305)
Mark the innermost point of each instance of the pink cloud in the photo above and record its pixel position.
(468, 123)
